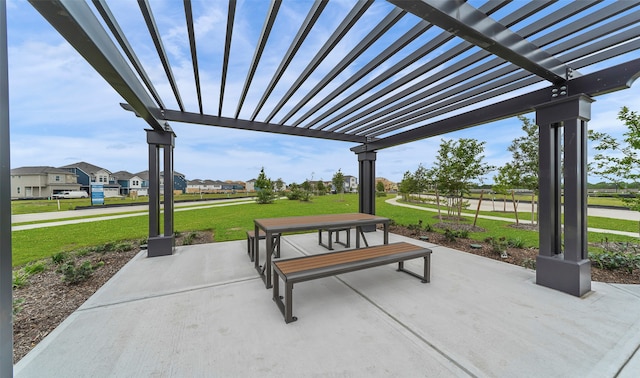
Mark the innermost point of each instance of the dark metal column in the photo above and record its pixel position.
(6, 288)
(569, 270)
(367, 178)
(160, 244)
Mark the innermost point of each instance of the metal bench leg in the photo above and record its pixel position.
(251, 248)
(426, 277)
(288, 303)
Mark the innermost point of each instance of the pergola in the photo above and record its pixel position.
(407, 70)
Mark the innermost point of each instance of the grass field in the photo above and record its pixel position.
(231, 223)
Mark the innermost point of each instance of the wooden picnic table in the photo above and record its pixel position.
(272, 226)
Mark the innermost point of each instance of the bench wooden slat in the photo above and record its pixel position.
(341, 257)
(307, 268)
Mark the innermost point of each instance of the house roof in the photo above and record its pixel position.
(123, 175)
(38, 170)
(86, 167)
(437, 66)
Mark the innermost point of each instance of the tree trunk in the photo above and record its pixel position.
(515, 206)
(478, 209)
(438, 205)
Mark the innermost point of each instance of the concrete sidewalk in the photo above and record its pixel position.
(204, 312)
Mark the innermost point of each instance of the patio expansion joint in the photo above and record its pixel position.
(165, 294)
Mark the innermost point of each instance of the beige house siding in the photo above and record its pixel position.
(41, 182)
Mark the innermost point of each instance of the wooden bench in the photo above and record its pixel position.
(261, 236)
(307, 268)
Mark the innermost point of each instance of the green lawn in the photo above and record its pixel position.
(231, 223)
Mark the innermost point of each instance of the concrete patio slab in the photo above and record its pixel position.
(204, 312)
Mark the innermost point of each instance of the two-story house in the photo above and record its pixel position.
(92, 174)
(130, 183)
(350, 184)
(41, 182)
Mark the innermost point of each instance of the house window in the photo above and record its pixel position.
(136, 182)
(57, 178)
(18, 190)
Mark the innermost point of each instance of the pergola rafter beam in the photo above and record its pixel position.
(511, 79)
(305, 28)
(598, 83)
(391, 19)
(262, 41)
(118, 34)
(360, 114)
(418, 54)
(354, 15)
(78, 25)
(194, 53)
(145, 8)
(465, 21)
(227, 48)
(234, 123)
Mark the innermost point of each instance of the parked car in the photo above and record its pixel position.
(72, 194)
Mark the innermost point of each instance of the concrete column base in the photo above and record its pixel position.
(570, 277)
(160, 246)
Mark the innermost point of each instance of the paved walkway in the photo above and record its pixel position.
(204, 312)
(605, 213)
(100, 214)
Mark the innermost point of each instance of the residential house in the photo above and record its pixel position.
(250, 185)
(195, 186)
(350, 184)
(179, 182)
(92, 174)
(130, 184)
(41, 182)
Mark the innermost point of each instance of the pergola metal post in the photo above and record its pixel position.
(6, 288)
(367, 181)
(570, 270)
(160, 244)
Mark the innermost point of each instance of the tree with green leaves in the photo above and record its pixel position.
(408, 185)
(264, 188)
(522, 171)
(338, 181)
(459, 163)
(618, 161)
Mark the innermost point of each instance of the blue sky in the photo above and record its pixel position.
(62, 111)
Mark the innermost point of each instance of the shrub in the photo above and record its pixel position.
(516, 242)
(612, 260)
(20, 279)
(34, 268)
(189, 238)
(59, 258)
(499, 245)
(452, 235)
(74, 275)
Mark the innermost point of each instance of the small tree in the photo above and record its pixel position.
(457, 165)
(380, 189)
(407, 186)
(618, 160)
(264, 188)
(338, 181)
(321, 188)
